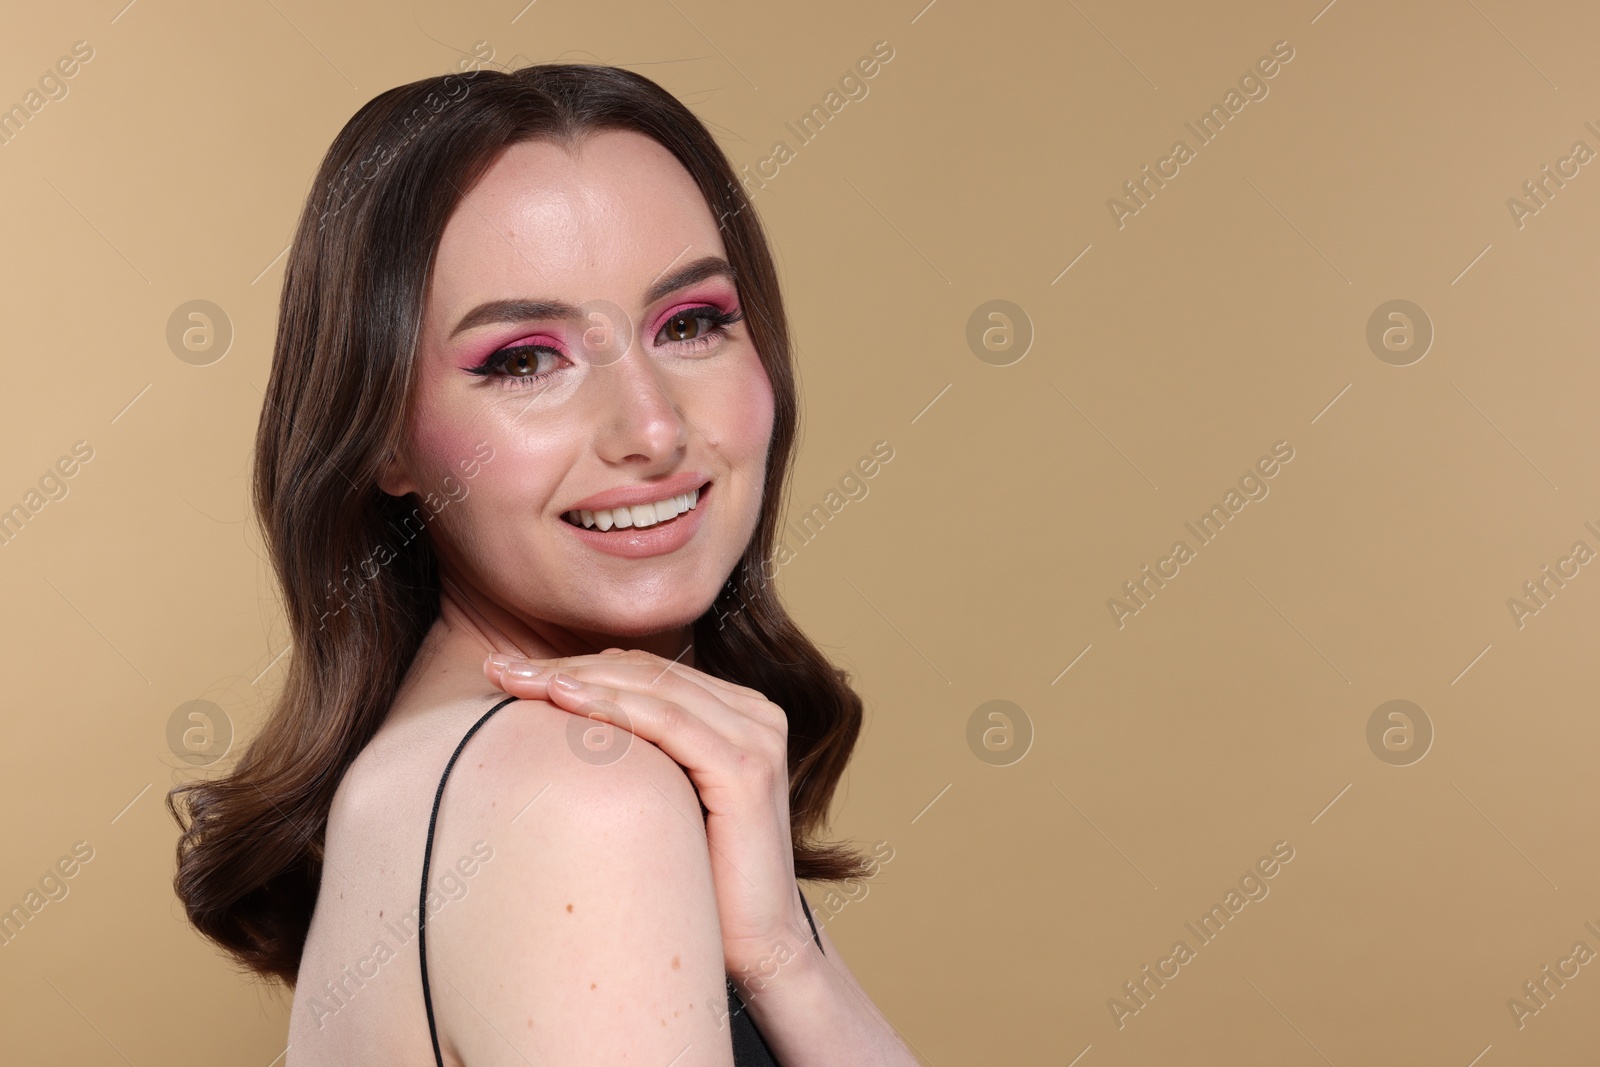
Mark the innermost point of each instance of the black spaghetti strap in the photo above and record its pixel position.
(807, 908)
(427, 859)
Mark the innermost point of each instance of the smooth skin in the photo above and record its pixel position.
(600, 925)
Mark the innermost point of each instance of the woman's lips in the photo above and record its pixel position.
(641, 516)
(629, 495)
(632, 542)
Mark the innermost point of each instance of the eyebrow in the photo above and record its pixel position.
(522, 310)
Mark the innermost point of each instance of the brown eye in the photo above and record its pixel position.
(696, 329)
(682, 327)
(523, 361)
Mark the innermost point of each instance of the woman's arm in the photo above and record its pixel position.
(592, 935)
(813, 1011)
(732, 742)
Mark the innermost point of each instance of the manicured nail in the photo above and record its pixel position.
(566, 684)
(499, 661)
(522, 669)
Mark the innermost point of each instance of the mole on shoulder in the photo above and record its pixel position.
(674, 963)
(591, 985)
(569, 907)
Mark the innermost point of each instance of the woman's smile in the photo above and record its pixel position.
(641, 530)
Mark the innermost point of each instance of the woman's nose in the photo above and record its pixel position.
(639, 411)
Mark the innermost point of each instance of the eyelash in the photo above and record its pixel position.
(494, 365)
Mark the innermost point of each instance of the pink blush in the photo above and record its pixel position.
(438, 440)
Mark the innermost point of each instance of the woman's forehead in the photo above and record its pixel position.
(573, 225)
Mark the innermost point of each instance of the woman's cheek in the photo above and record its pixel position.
(444, 444)
(747, 412)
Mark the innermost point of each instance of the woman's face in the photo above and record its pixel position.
(635, 382)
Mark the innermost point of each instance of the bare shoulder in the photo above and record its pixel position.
(588, 930)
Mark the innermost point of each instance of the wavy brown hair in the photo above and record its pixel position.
(249, 858)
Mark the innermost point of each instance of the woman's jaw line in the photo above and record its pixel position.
(492, 629)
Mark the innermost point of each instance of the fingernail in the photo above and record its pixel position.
(566, 684)
(499, 662)
(522, 669)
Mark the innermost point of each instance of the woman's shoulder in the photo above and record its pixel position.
(555, 794)
(569, 885)
(553, 803)
(569, 882)
(505, 745)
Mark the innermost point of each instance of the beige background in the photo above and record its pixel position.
(1229, 314)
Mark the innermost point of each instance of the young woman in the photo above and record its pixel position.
(530, 417)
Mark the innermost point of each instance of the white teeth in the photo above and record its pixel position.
(637, 516)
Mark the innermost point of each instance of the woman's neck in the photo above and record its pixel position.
(448, 667)
(472, 626)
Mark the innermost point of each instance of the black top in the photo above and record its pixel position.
(749, 1047)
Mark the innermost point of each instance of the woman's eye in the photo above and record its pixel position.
(522, 364)
(682, 327)
(696, 326)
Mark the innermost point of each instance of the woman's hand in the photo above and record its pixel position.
(733, 743)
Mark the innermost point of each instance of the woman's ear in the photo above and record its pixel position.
(393, 478)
